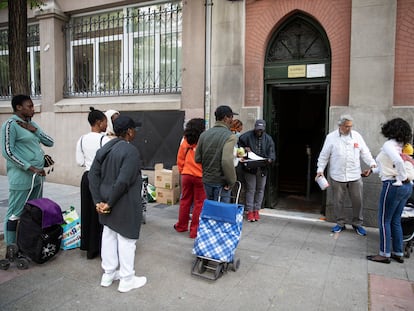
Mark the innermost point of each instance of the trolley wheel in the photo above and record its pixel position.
(202, 265)
(11, 252)
(4, 264)
(144, 218)
(219, 271)
(22, 263)
(236, 264)
(407, 250)
(199, 265)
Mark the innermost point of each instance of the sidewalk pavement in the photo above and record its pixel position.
(288, 262)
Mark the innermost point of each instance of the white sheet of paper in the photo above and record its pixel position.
(251, 155)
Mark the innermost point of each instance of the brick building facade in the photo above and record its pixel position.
(223, 55)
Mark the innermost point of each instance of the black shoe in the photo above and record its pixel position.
(378, 258)
(92, 255)
(399, 259)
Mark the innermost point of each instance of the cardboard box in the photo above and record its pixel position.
(168, 196)
(167, 179)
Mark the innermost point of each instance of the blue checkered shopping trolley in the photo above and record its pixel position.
(217, 238)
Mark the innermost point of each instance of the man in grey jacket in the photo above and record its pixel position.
(215, 153)
(115, 180)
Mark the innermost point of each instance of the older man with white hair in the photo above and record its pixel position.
(343, 149)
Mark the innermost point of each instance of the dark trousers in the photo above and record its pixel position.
(91, 229)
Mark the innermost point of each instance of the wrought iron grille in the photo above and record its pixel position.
(128, 51)
(298, 40)
(33, 62)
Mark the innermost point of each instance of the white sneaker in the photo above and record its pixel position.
(134, 282)
(108, 278)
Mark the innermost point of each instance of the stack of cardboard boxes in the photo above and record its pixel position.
(167, 184)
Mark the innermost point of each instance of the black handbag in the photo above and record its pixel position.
(48, 161)
(254, 163)
(251, 166)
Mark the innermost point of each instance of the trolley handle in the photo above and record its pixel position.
(32, 186)
(238, 184)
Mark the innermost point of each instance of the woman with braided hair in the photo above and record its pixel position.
(86, 147)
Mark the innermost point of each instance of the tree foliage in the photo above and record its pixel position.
(31, 3)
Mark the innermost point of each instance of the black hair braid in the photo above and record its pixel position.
(95, 115)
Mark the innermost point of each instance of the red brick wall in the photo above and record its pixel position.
(404, 54)
(264, 16)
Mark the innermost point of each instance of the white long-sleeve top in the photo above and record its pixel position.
(87, 146)
(343, 153)
(390, 164)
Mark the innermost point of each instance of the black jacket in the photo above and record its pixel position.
(115, 178)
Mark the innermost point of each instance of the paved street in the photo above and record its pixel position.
(288, 262)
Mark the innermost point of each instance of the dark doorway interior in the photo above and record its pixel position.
(301, 117)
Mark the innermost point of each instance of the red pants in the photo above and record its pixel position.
(192, 194)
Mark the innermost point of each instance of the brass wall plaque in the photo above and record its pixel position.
(297, 71)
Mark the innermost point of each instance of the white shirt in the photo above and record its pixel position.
(390, 164)
(87, 146)
(343, 152)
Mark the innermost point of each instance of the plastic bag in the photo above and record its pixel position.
(151, 193)
(71, 229)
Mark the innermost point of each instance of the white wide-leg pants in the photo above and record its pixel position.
(118, 251)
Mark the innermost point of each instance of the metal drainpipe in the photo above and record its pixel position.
(207, 83)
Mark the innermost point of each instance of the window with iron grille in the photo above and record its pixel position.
(33, 62)
(134, 50)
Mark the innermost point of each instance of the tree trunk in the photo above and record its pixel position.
(19, 79)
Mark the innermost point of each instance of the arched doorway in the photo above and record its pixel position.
(296, 101)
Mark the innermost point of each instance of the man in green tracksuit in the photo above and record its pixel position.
(20, 143)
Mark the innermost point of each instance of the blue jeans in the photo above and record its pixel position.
(214, 191)
(391, 205)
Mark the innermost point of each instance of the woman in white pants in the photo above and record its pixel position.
(115, 179)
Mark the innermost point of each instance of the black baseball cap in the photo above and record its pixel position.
(224, 111)
(260, 125)
(123, 123)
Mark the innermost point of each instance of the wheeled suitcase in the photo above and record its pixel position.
(39, 232)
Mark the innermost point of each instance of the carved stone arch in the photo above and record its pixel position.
(299, 38)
